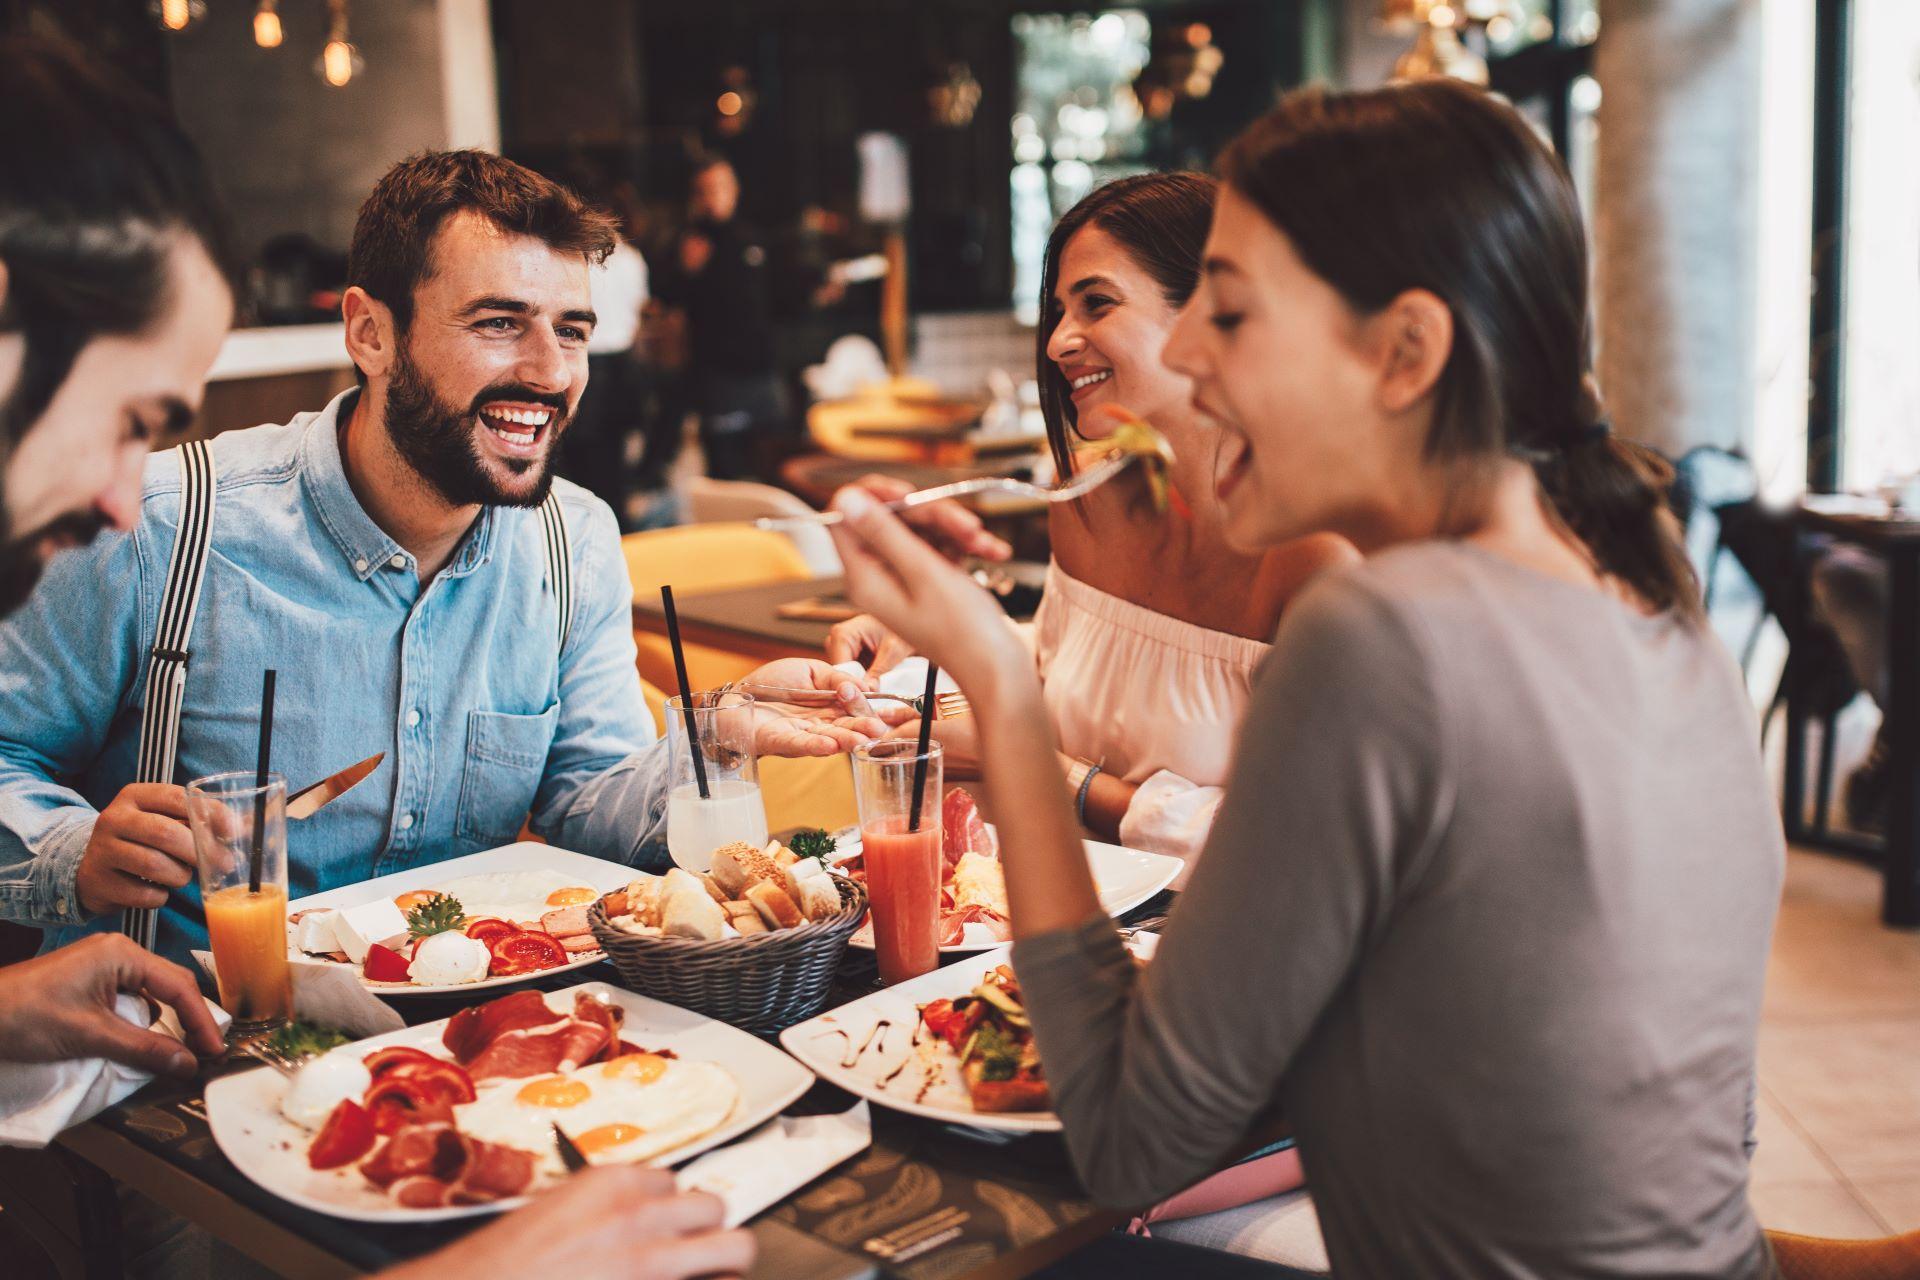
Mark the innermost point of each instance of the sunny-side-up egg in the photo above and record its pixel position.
(322, 1084)
(633, 1108)
(520, 896)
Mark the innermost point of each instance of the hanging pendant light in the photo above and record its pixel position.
(177, 15)
(340, 61)
(266, 25)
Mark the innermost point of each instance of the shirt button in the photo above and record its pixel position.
(398, 561)
(406, 821)
(360, 566)
(413, 718)
(60, 905)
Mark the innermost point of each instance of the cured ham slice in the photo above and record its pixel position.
(471, 1031)
(419, 1192)
(493, 1172)
(434, 1151)
(962, 828)
(609, 1016)
(431, 1165)
(539, 1051)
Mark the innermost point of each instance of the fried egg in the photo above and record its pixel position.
(520, 896)
(633, 1108)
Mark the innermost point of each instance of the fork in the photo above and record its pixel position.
(1087, 481)
(258, 1049)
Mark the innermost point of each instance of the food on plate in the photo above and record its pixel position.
(812, 843)
(298, 1039)
(478, 1126)
(1140, 438)
(748, 892)
(990, 1034)
(973, 889)
(501, 924)
(322, 1084)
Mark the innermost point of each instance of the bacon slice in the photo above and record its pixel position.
(420, 1150)
(962, 828)
(472, 1030)
(540, 1051)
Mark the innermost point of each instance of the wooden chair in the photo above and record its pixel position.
(1815, 1258)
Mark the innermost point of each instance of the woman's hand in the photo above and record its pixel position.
(867, 641)
(948, 525)
(929, 602)
(790, 729)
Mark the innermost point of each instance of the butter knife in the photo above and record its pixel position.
(570, 1155)
(308, 801)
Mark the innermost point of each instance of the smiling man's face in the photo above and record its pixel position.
(492, 366)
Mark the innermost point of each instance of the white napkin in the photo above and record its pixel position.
(39, 1100)
(908, 680)
(779, 1157)
(330, 995)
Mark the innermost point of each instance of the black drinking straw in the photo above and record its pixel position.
(686, 690)
(260, 782)
(926, 736)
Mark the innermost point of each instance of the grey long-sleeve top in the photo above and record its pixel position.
(1486, 911)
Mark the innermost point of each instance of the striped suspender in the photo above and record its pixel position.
(559, 561)
(167, 664)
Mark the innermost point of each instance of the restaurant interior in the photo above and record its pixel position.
(834, 265)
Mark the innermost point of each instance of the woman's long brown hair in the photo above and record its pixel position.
(1438, 186)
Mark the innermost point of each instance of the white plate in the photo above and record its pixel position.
(244, 1109)
(929, 1083)
(597, 873)
(1124, 877)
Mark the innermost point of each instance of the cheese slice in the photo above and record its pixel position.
(314, 933)
(357, 928)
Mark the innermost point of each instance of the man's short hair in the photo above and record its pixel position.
(96, 184)
(393, 237)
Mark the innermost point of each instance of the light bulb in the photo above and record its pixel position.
(339, 62)
(266, 26)
(177, 15)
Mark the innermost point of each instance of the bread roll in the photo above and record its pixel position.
(737, 865)
(687, 910)
(775, 907)
(743, 918)
(714, 890)
(643, 901)
(820, 897)
(781, 855)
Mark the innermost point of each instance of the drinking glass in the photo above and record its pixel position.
(230, 814)
(903, 861)
(731, 810)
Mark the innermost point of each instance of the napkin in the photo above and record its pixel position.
(38, 1100)
(330, 995)
(778, 1158)
(908, 680)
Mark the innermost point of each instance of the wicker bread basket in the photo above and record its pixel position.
(762, 983)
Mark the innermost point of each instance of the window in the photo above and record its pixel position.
(1076, 124)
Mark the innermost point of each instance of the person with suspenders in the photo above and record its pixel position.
(405, 560)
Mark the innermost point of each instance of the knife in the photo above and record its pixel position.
(570, 1155)
(308, 801)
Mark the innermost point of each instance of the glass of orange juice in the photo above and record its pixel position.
(229, 813)
(903, 859)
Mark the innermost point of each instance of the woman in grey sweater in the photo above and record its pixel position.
(1485, 912)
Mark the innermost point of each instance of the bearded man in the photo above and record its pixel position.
(405, 560)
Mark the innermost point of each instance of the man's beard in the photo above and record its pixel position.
(439, 441)
(21, 561)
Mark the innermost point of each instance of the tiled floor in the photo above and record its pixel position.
(1839, 1061)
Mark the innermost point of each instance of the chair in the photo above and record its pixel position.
(1814, 1258)
(814, 792)
(711, 501)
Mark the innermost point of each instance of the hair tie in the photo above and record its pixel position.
(1595, 433)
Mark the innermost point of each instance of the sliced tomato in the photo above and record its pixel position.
(936, 1015)
(962, 1024)
(487, 928)
(525, 953)
(346, 1136)
(382, 1061)
(385, 965)
(398, 1101)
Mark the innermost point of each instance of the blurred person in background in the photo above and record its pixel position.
(718, 275)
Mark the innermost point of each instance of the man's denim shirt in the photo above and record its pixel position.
(461, 681)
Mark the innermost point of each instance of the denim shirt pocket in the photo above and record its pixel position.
(506, 758)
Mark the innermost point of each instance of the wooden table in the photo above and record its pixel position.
(1897, 541)
(745, 620)
(925, 1202)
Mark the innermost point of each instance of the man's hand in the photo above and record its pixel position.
(140, 848)
(621, 1220)
(792, 729)
(60, 1007)
(867, 641)
(956, 531)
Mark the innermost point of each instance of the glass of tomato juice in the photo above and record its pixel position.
(228, 814)
(902, 859)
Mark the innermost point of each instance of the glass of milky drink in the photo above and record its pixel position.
(718, 802)
(230, 814)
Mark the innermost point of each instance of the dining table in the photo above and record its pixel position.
(926, 1201)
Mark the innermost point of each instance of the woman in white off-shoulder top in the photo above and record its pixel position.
(1151, 626)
